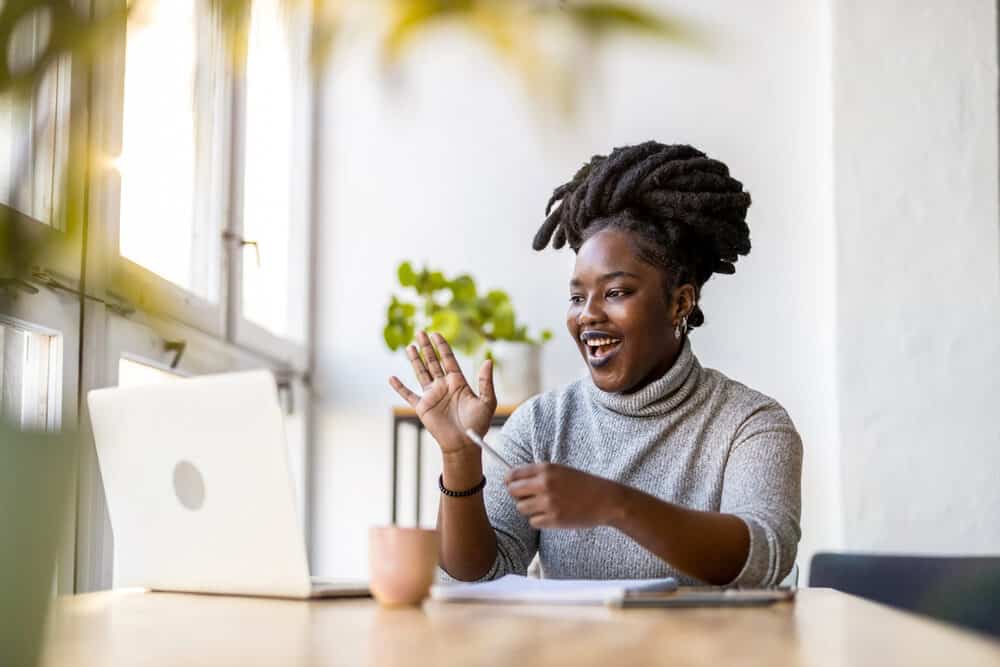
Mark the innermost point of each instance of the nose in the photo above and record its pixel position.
(591, 313)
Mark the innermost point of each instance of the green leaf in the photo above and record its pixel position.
(400, 312)
(503, 322)
(436, 281)
(546, 335)
(407, 276)
(431, 307)
(393, 335)
(497, 297)
(463, 288)
(468, 341)
(410, 16)
(447, 323)
(602, 17)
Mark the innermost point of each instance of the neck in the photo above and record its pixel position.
(661, 369)
(659, 396)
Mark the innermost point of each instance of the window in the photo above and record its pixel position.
(30, 378)
(188, 152)
(274, 189)
(170, 207)
(34, 131)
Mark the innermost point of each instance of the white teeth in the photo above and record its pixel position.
(599, 342)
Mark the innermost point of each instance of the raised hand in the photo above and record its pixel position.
(448, 405)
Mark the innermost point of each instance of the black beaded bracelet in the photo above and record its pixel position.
(461, 494)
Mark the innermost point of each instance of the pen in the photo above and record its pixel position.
(486, 448)
(653, 586)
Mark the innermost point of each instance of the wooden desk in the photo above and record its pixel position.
(823, 627)
(407, 415)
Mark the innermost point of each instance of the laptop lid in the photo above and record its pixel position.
(198, 486)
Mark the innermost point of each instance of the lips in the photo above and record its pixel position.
(601, 347)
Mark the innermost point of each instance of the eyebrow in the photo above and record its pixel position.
(575, 282)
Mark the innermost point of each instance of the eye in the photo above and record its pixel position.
(575, 298)
(615, 293)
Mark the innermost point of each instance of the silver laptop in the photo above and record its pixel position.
(199, 489)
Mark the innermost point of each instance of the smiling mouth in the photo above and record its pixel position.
(601, 350)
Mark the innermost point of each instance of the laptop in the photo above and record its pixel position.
(199, 489)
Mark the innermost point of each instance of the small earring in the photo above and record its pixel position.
(677, 332)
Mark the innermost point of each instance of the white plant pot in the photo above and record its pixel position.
(517, 373)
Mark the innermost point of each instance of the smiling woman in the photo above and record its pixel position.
(653, 466)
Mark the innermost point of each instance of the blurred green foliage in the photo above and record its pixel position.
(35, 484)
(454, 308)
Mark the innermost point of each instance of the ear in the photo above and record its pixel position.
(683, 302)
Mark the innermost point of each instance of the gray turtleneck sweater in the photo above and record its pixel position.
(694, 437)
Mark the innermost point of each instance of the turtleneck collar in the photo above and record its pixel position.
(658, 397)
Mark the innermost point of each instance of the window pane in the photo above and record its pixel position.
(30, 379)
(10, 137)
(34, 131)
(169, 221)
(274, 179)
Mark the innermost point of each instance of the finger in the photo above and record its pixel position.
(524, 488)
(542, 521)
(404, 391)
(430, 355)
(531, 506)
(423, 377)
(448, 360)
(486, 393)
(523, 472)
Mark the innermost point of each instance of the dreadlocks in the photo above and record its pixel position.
(686, 212)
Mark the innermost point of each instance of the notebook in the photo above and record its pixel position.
(514, 588)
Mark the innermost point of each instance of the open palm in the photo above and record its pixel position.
(448, 405)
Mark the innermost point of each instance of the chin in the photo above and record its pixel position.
(610, 385)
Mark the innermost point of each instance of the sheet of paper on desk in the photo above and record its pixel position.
(515, 588)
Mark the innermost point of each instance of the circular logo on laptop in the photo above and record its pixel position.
(189, 486)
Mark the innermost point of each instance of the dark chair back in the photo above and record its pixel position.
(964, 590)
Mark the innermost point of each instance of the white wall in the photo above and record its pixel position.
(453, 165)
(918, 273)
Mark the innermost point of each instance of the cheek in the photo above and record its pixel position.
(571, 317)
(647, 326)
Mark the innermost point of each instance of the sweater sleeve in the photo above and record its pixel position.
(517, 541)
(762, 486)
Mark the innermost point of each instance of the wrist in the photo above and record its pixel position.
(462, 469)
(618, 507)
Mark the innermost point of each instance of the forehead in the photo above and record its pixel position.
(610, 251)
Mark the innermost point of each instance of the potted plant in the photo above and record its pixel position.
(471, 322)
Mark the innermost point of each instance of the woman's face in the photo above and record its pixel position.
(619, 314)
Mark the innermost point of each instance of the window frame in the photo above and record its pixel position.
(127, 280)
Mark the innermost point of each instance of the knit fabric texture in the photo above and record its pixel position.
(693, 437)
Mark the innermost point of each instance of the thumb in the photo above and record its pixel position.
(486, 382)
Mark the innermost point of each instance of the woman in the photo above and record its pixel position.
(653, 466)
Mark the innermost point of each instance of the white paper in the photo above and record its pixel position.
(515, 588)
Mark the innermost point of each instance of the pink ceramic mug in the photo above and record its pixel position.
(402, 563)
